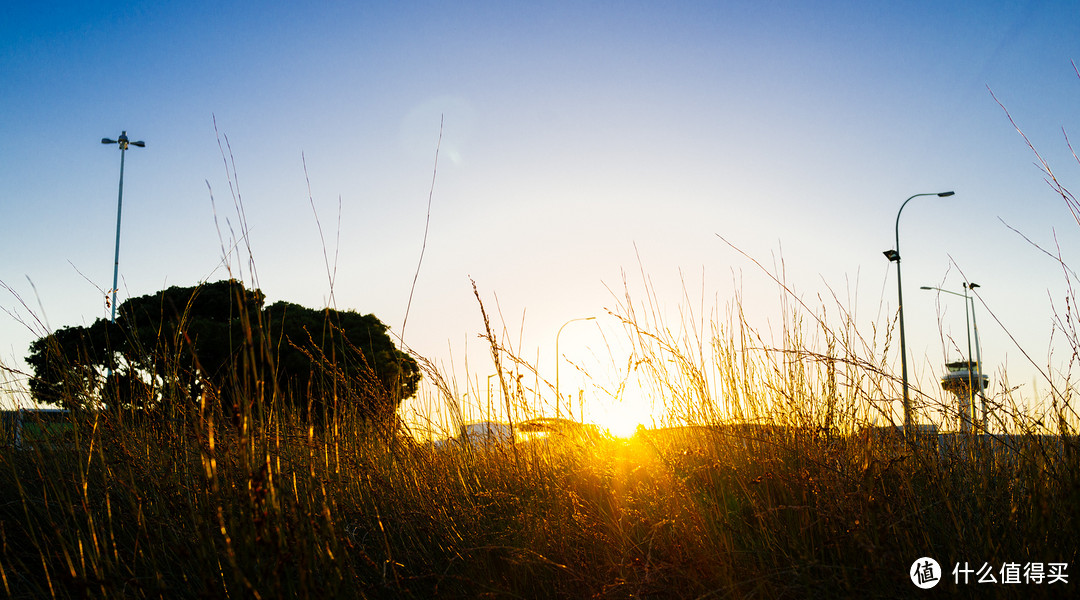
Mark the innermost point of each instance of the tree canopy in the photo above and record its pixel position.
(218, 341)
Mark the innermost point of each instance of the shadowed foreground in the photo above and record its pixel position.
(186, 509)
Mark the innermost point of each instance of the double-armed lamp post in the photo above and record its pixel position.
(894, 256)
(123, 142)
(969, 320)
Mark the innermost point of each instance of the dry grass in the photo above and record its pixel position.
(781, 487)
(779, 491)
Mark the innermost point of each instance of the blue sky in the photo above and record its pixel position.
(577, 137)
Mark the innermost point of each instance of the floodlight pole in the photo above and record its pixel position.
(894, 256)
(558, 359)
(123, 142)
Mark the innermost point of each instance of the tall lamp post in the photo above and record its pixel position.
(894, 256)
(969, 318)
(123, 143)
(558, 391)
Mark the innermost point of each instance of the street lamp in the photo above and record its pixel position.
(969, 318)
(894, 256)
(123, 142)
(558, 391)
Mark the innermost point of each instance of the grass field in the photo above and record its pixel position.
(779, 489)
(779, 483)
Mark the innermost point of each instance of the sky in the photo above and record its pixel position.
(578, 144)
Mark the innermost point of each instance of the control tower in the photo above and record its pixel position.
(966, 381)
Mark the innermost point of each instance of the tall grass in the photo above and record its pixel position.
(780, 489)
(780, 484)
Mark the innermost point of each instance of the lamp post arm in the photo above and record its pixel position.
(927, 287)
(897, 232)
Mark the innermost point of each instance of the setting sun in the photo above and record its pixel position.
(621, 417)
(622, 426)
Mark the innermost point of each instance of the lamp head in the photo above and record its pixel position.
(971, 286)
(892, 255)
(925, 287)
(945, 194)
(139, 143)
(107, 141)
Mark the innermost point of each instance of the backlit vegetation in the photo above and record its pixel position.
(779, 490)
(782, 484)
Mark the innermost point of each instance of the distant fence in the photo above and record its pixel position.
(27, 428)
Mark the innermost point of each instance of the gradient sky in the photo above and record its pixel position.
(577, 137)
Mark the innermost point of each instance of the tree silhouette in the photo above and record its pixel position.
(184, 345)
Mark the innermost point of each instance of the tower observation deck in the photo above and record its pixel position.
(965, 380)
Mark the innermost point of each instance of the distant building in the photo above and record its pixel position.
(478, 435)
(548, 430)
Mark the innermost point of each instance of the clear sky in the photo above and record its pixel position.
(577, 137)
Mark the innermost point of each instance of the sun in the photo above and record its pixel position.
(621, 418)
(622, 427)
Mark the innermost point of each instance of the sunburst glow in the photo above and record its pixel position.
(621, 417)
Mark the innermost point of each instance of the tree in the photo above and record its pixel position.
(65, 363)
(183, 345)
(327, 356)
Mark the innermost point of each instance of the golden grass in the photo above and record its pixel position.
(779, 490)
(781, 486)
